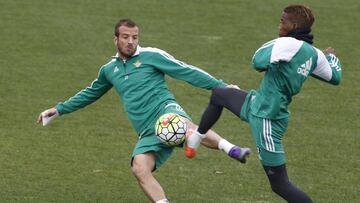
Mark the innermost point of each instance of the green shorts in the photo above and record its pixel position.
(148, 142)
(267, 135)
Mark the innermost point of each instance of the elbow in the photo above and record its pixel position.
(336, 79)
(336, 82)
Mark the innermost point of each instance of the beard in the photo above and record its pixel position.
(127, 52)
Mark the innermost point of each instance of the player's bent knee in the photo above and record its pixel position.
(143, 165)
(276, 188)
(139, 171)
(215, 94)
(280, 187)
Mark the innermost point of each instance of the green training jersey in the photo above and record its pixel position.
(140, 82)
(287, 63)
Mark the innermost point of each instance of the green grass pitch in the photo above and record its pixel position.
(52, 49)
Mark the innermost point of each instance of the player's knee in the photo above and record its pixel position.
(215, 95)
(280, 187)
(216, 91)
(140, 171)
(276, 188)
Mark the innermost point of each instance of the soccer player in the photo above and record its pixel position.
(286, 62)
(137, 74)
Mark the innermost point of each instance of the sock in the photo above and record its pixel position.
(193, 141)
(163, 201)
(225, 145)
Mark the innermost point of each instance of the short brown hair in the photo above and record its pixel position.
(126, 22)
(302, 15)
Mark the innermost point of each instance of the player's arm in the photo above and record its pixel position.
(86, 96)
(261, 60)
(83, 98)
(328, 67)
(182, 71)
(262, 56)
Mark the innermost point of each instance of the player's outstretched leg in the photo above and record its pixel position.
(192, 142)
(195, 136)
(230, 98)
(214, 141)
(209, 139)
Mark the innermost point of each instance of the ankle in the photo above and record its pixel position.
(163, 201)
(225, 145)
(194, 139)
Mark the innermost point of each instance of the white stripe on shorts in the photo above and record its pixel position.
(269, 142)
(177, 107)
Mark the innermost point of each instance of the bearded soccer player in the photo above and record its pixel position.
(286, 62)
(137, 74)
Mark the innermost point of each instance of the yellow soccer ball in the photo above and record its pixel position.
(170, 129)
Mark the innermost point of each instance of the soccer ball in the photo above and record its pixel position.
(170, 129)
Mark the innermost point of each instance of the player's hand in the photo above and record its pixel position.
(233, 86)
(329, 50)
(46, 116)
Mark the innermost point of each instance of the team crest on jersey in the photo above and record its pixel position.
(137, 64)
